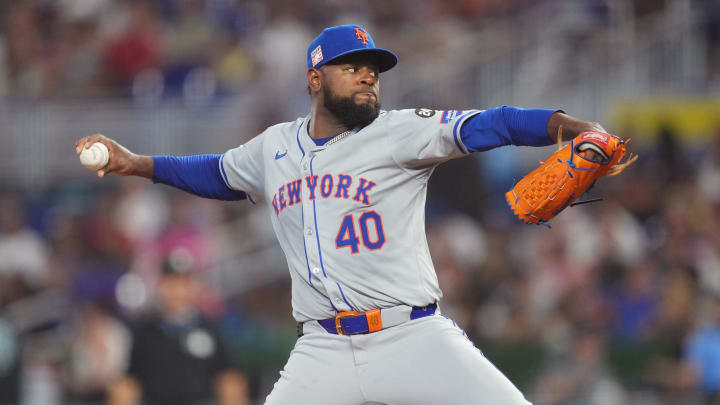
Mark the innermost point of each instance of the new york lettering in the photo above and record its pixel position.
(341, 186)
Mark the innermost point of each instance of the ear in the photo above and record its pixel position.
(313, 78)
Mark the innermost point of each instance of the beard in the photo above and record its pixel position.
(349, 113)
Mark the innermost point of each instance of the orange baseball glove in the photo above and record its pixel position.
(566, 175)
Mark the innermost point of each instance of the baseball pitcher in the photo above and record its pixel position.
(346, 186)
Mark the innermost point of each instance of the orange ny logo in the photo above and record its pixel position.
(361, 36)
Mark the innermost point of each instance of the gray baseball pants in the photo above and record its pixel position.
(426, 361)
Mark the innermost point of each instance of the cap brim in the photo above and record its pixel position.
(386, 59)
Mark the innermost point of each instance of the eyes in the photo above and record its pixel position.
(355, 69)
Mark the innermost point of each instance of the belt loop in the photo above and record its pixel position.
(300, 329)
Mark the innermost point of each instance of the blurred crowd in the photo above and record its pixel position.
(617, 303)
(150, 49)
(158, 48)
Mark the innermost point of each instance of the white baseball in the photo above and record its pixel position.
(95, 157)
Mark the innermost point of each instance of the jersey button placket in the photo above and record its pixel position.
(308, 231)
(311, 241)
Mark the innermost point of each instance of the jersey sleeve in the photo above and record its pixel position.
(242, 168)
(424, 138)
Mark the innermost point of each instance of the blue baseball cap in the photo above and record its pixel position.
(342, 40)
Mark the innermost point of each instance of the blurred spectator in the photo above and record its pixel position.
(138, 48)
(554, 260)
(620, 237)
(459, 247)
(711, 28)
(108, 245)
(4, 79)
(79, 10)
(184, 230)
(671, 157)
(234, 66)
(178, 355)
(141, 213)
(709, 171)
(191, 37)
(77, 68)
(23, 252)
(643, 8)
(279, 47)
(702, 355)
(100, 346)
(25, 47)
(9, 364)
(635, 303)
(707, 255)
(580, 376)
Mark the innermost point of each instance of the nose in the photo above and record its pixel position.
(367, 78)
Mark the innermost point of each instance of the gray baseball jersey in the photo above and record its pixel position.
(350, 216)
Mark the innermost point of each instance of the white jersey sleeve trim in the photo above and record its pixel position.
(456, 130)
(222, 170)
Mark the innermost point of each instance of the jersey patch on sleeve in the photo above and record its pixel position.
(448, 116)
(424, 112)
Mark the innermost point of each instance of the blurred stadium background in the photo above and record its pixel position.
(616, 304)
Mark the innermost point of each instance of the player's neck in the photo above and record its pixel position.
(324, 125)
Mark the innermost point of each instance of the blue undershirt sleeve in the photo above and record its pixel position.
(197, 174)
(506, 125)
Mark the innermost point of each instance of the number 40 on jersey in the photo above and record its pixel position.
(371, 232)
